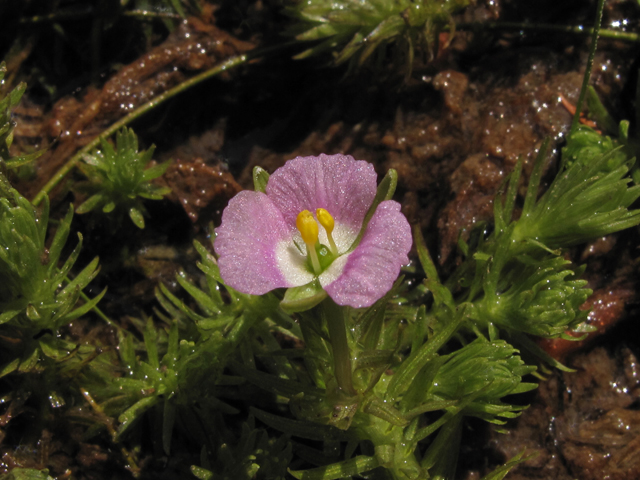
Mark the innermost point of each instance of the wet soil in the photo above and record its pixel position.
(453, 132)
(583, 424)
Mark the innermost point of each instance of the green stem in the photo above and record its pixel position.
(150, 14)
(96, 309)
(99, 312)
(222, 67)
(587, 73)
(334, 316)
(638, 109)
(83, 14)
(545, 27)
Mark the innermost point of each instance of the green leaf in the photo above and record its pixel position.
(177, 6)
(378, 408)
(491, 370)
(418, 390)
(588, 199)
(168, 421)
(201, 473)
(441, 294)
(80, 311)
(126, 349)
(277, 385)
(20, 473)
(170, 358)
(59, 239)
(355, 30)
(525, 343)
(179, 304)
(385, 191)
(500, 472)
(208, 265)
(51, 348)
(16, 94)
(368, 325)
(408, 369)
(7, 315)
(119, 179)
(90, 203)
(600, 113)
(539, 296)
(305, 297)
(15, 162)
(83, 279)
(151, 343)
(260, 179)
(10, 367)
(29, 364)
(300, 428)
(132, 414)
(346, 468)
(205, 302)
(156, 171)
(136, 217)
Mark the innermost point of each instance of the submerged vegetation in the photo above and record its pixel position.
(283, 352)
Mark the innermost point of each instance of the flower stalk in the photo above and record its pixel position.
(334, 315)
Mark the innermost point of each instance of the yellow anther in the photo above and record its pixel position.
(326, 220)
(308, 228)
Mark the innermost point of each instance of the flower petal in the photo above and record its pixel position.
(370, 270)
(247, 242)
(341, 185)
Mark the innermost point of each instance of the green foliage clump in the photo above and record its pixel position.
(179, 365)
(380, 392)
(7, 104)
(486, 371)
(36, 296)
(590, 198)
(515, 281)
(27, 474)
(120, 179)
(543, 298)
(253, 455)
(354, 29)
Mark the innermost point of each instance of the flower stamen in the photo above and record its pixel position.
(326, 220)
(308, 228)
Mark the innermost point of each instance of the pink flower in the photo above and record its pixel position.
(269, 240)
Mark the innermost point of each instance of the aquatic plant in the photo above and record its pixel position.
(514, 280)
(526, 284)
(120, 179)
(374, 380)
